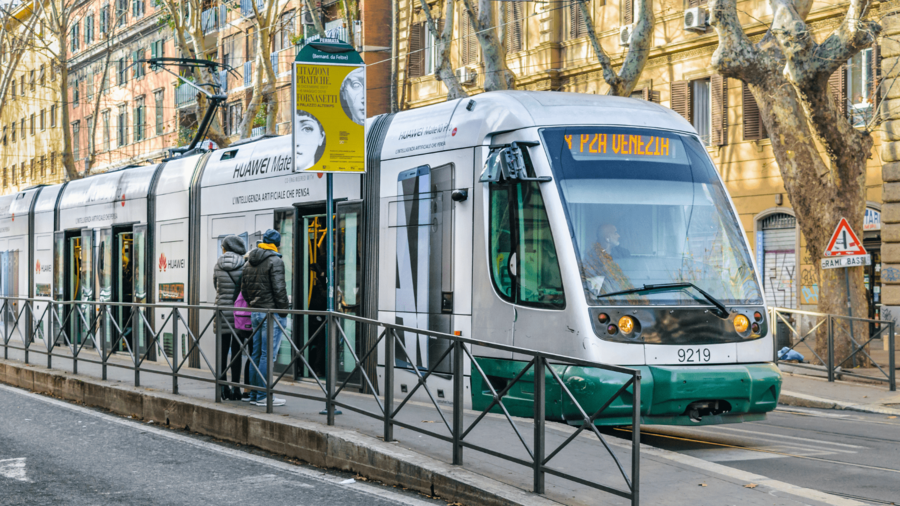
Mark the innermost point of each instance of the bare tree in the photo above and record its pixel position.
(14, 42)
(787, 72)
(263, 89)
(443, 66)
(622, 83)
(497, 75)
(191, 42)
(104, 76)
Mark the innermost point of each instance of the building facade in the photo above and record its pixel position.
(548, 49)
(31, 142)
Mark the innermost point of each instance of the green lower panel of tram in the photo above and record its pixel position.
(670, 395)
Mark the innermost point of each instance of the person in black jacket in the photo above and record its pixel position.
(227, 278)
(264, 287)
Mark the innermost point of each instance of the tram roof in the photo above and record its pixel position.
(108, 187)
(451, 125)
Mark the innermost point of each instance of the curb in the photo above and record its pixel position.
(809, 401)
(314, 443)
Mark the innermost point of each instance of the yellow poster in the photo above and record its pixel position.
(329, 118)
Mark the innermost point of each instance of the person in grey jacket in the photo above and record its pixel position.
(227, 276)
(264, 287)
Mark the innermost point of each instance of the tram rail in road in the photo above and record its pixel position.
(854, 456)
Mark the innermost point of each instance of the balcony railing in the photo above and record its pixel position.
(274, 58)
(209, 20)
(258, 131)
(185, 95)
(223, 81)
(247, 7)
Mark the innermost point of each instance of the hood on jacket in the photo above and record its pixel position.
(258, 255)
(230, 261)
(234, 244)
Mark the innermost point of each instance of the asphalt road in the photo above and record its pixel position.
(844, 453)
(54, 452)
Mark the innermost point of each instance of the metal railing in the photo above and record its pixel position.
(89, 332)
(185, 95)
(806, 327)
(209, 20)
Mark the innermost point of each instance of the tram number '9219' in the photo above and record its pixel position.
(694, 355)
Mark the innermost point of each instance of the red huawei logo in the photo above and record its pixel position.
(162, 262)
(37, 266)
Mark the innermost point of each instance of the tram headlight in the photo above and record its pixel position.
(603, 317)
(626, 324)
(611, 329)
(755, 328)
(757, 316)
(741, 323)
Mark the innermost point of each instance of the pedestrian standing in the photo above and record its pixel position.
(264, 287)
(227, 281)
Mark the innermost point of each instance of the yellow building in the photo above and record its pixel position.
(31, 142)
(548, 49)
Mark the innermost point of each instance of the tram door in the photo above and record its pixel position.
(68, 282)
(124, 285)
(310, 293)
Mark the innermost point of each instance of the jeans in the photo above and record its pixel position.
(260, 350)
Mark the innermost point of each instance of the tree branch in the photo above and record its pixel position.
(443, 67)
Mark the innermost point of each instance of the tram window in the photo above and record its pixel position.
(524, 263)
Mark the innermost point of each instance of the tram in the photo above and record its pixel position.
(589, 226)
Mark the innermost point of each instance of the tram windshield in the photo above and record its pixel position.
(645, 207)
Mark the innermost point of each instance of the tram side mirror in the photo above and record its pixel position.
(459, 195)
(507, 162)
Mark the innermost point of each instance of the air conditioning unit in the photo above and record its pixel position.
(466, 75)
(625, 35)
(695, 19)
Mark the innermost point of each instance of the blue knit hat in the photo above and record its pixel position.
(272, 237)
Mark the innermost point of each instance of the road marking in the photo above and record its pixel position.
(14, 469)
(809, 412)
(789, 437)
(362, 487)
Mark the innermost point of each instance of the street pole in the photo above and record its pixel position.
(849, 306)
(329, 287)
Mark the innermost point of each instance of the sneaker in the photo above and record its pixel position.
(246, 398)
(276, 401)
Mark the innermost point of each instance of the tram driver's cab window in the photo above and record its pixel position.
(524, 264)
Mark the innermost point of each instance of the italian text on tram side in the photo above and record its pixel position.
(619, 144)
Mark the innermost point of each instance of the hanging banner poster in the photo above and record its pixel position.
(329, 111)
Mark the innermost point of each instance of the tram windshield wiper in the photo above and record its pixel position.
(721, 311)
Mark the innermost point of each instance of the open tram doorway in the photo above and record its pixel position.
(120, 276)
(309, 283)
(71, 249)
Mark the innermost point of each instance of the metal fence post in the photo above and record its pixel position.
(892, 360)
(217, 372)
(772, 318)
(636, 441)
(103, 351)
(28, 338)
(458, 403)
(48, 338)
(830, 364)
(331, 351)
(539, 365)
(136, 346)
(175, 351)
(270, 360)
(5, 331)
(77, 332)
(388, 384)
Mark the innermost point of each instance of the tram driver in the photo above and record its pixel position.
(608, 238)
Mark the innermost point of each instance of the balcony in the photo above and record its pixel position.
(248, 73)
(209, 20)
(185, 95)
(258, 131)
(247, 7)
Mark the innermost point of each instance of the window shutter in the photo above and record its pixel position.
(875, 91)
(696, 3)
(719, 104)
(754, 129)
(513, 27)
(838, 84)
(628, 13)
(414, 46)
(577, 23)
(680, 98)
(650, 95)
(469, 39)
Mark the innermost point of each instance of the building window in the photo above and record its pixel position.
(53, 163)
(74, 33)
(577, 23)
(121, 12)
(512, 32)
(703, 102)
(157, 49)
(22, 129)
(31, 125)
(5, 130)
(104, 18)
(121, 74)
(422, 49)
(75, 97)
(285, 30)
(862, 85)
(468, 42)
(13, 89)
(233, 118)
(121, 132)
(76, 141)
(104, 116)
(41, 168)
(137, 65)
(32, 83)
(89, 85)
(22, 85)
(138, 119)
(88, 30)
(89, 126)
(43, 75)
(137, 8)
(158, 109)
(43, 119)
(754, 128)
(12, 137)
(33, 174)
(53, 116)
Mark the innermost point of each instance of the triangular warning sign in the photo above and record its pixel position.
(844, 242)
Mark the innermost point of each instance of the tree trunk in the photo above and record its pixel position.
(95, 118)
(314, 14)
(443, 66)
(787, 73)
(497, 75)
(622, 83)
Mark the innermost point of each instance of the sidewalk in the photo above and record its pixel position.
(813, 392)
(666, 477)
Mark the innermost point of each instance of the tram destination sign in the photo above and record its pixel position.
(612, 146)
(854, 261)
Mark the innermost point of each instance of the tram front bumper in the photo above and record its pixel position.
(670, 395)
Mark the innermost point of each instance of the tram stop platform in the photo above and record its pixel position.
(809, 391)
(414, 461)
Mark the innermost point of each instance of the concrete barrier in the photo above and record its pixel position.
(317, 444)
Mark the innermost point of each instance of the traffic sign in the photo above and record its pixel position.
(854, 261)
(844, 242)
